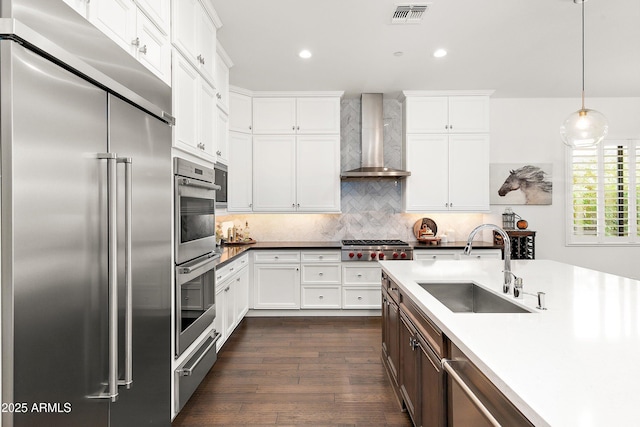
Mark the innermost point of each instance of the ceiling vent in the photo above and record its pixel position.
(409, 13)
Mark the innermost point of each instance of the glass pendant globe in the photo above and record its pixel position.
(584, 128)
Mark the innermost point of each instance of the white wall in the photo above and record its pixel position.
(526, 130)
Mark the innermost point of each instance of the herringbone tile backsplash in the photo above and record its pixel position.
(370, 208)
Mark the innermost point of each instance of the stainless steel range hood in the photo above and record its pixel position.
(372, 165)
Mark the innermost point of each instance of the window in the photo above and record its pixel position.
(604, 184)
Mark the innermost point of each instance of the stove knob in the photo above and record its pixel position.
(395, 255)
(373, 255)
(403, 255)
(359, 255)
(351, 254)
(381, 255)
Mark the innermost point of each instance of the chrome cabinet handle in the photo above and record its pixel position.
(321, 274)
(128, 283)
(298, 128)
(293, 128)
(135, 42)
(249, 127)
(201, 59)
(446, 365)
(359, 298)
(143, 50)
(185, 372)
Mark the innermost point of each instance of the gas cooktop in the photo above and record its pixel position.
(376, 249)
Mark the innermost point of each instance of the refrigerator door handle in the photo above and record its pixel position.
(111, 391)
(128, 316)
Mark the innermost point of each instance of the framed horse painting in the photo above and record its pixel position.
(520, 184)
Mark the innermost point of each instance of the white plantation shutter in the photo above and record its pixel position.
(604, 186)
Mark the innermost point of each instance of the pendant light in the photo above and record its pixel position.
(585, 127)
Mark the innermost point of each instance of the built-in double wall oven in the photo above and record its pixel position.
(195, 229)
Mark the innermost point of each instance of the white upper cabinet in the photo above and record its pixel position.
(222, 138)
(308, 115)
(194, 34)
(318, 115)
(159, 11)
(446, 148)
(457, 176)
(223, 63)
(318, 173)
(117, 19)
(240, 187)
(276, 116)
(447, 114)
(152, 48)
(127, 23)
(274, 173)
(240, 115)
(194, 107)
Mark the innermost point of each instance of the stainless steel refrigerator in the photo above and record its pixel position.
(85, 233)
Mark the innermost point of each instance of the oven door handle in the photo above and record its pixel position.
(186, 182)
(201, 265)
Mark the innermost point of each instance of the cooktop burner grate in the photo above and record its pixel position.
(374, 242)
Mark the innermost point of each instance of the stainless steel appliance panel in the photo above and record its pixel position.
(195, 225)
(53, 241)
(146, 141)
(192, 372)
(221, 173)
(195, 299)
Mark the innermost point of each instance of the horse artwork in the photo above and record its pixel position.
(526, 185)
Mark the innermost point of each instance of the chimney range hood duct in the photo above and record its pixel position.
(372, 165)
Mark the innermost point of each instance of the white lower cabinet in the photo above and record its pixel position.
(276, 280)
(439, 254)
(232, 297)
(361, 285)
(321, 280)
(319, 296)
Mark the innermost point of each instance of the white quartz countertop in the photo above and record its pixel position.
(575, 364)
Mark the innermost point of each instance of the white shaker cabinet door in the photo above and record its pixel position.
(318, 115)
(207, 45)
(241, 295)
(427, 114)
(185, 103)
(469, 172)
(240, 186)
(274, 116)
(469, 114)
(159, 11)
(222, 138)
(153, 48)
(240, 115)
(428, 160)
(318, 173)
(116, 19)
(207, 119)
(184, 28)
(274, 173)
(276, 286)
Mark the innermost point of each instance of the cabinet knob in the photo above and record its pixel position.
(249, 127)
(359, 298)
(298, 128)
(321, 297)
(321, 274)
(135, 42)
(143, 50)
(359, 275)
(446, 126)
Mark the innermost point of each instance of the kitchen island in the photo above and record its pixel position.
(564, 366)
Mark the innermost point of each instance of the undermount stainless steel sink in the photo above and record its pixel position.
(467, 297)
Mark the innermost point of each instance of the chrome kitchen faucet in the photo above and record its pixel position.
(506, 287)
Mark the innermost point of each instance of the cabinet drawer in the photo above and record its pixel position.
(321, 273)
(361, 297)
(320, 296)
(224, 272)
(276, 257)
(433, 254)
(361, 274)
(431, 333)
(320, 256)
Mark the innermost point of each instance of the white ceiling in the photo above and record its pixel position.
(517, 48)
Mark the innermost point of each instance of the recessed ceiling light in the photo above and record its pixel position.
(398, 53)
(304, 54)
(439, 53)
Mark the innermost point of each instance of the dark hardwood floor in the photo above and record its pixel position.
(297, 371)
